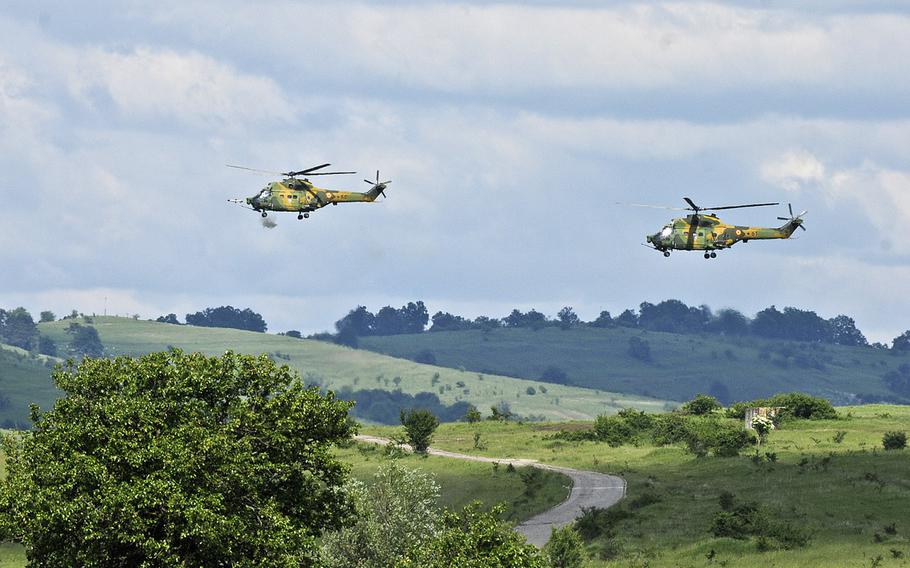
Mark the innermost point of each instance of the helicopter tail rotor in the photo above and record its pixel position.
(795, 219)
(378, 186)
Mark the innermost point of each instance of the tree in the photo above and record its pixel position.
(901, 343)
(729, 322)
(567, 318)
(844, 332)
(444, 321)
(398, 510)
(894, 440)
(358, 322)
(565, 548)
(348, 337)
(85, 340)
(673, 316)
(603, 320)
(640, 349)
(177, 459)
(425, 356)
(472, 415)
(700, 405)
(627, 319)
(47, 316)
(419, 426)
(474, 538)
(228, 316)
(19, 329)
(170, 318)
(47, 346)
(294, 333)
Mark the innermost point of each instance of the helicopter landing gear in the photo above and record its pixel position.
(667, 253)
(299, 216)
(713, 255)
(710, 255)
(303, 216)
(264, 214)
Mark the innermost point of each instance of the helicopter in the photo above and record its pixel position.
(705, 231)
(296, 193)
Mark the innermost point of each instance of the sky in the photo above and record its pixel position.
(512, 132)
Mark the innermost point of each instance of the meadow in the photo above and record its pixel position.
(850, 496)
(681, 365)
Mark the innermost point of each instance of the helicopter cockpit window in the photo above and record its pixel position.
(666, 231)
(265, 193)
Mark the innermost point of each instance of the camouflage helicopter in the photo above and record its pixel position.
(296, 193)
(705, 231)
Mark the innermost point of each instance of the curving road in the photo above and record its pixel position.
(589, 489)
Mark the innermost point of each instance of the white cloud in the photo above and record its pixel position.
(794, 170)
(196, 88)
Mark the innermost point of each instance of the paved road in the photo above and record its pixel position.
(589, 489)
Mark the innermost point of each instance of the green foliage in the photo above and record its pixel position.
(47, 316)
(700, 405)
(595, 522)
(670, 429)
(567, 318)
(17, 328)
(397, 510)
(228, 316)
(85, 340)
(640, 349)
(472, 415)
(894, 440)
(47, 346)
(474, 538)
(426, 357)
(565, 548)
(174, 459)
(169, 318)
(419, 425)
(722, 437)
(613, 430)
(795, 405)
(751, 519)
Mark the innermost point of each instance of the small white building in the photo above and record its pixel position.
(769, 412)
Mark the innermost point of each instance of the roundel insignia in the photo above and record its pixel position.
(738, 232)
(328, 194)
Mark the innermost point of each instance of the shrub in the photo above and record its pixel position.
(419, 426)
(700, 405)
(750, 519)
(472, 415)
(613, 430)
(894, 440)
(723, 438)
(670, 429)
(426, 357)
(565, 548)
(531, 391)
(595, 522)
(804, 406)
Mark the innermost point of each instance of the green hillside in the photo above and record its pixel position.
(24, 379)
(682, 365)
(336, 367)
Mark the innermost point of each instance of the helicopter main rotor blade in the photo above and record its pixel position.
(255, 170)
(737, 206)
(790, 207)
(692, 205)
(652, 206)
(324, 173)
(306, 171)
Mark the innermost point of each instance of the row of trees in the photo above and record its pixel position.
(671, 316)
(18, 328)
(222, 316)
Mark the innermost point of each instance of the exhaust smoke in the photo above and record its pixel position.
(268, 222)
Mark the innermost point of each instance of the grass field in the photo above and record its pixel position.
(462, 482)
(336, 367)
(681, 366)
(846, 494)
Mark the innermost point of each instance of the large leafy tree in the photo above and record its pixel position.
(18, 328)
(228, 316)
(177, 459)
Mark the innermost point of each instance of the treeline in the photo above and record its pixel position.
(671, 316)
(222, 316)
(385, 407)
(19, 329)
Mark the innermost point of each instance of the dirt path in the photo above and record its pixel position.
(589, 489)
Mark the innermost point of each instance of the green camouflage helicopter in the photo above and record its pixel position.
(298, 194)
(705, 231)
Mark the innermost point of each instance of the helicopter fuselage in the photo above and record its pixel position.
(708, 233)
(301, 196)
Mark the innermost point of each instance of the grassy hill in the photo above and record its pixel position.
(682, 365)
(24, 379)
(850, 497)
(336, 367)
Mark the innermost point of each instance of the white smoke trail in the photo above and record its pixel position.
(268, 222)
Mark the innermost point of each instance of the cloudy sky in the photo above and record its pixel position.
(510, 132)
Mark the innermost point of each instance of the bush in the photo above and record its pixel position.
(564, 549)
(613, 430)
(723, 438)
(700, 405)
(750, 519)
(670, 429)
(419, 426)
(472, 415)
(796, 405)
(894, 440)
(595, 522)
(426, 357)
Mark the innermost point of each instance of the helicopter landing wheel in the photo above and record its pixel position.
(713, 255)
(264, 214)
(306, 215)
(707, 255)
(299, 216)
(666, 253)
